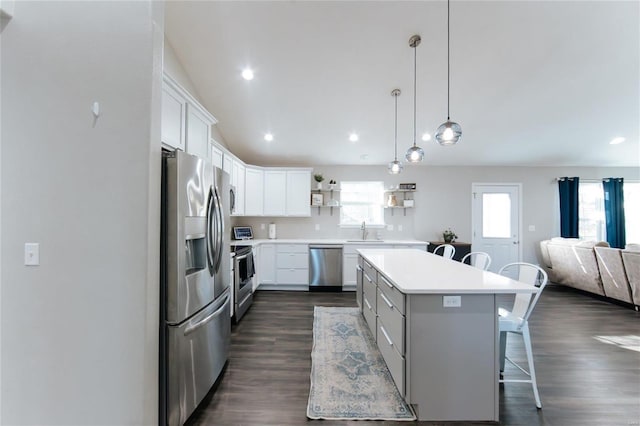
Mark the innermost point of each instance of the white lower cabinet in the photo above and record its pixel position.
(267, 265)
(292, 266)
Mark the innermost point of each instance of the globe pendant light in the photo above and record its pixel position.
(395, 167)
(415, 154)
(449, 132)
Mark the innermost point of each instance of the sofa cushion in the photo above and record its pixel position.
(613, 275)
(631, 260)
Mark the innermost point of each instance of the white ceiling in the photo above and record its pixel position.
(532, 82)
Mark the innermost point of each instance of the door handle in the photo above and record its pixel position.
(386, 336)
(516, 242)
(207, 319)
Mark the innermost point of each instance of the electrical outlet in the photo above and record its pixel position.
(532, 228)
(400, 228)
(451, 301)
(32, 254)
(262, 226)
(317, 226)
(389, 227)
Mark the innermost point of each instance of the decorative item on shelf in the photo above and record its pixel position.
(407, 203)
(407, 186)
(333, 203)
(318, 178)
(317, 199)
(415, 154)
(391, 201)
(332, 184)
(449, 236)
(395, 167)
(449, 132)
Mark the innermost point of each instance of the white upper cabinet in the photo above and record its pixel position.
(217, 154)
(238, 181)
(275, 195)
(198, 129)
(173, 118)
(186, 125)
(254, 191)
(298, 189)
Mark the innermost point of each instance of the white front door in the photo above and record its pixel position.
(496, 222)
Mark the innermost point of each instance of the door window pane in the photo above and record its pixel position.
(496, 215)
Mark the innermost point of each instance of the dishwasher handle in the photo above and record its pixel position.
(325, 246)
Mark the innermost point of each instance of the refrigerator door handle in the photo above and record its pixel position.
(206, 319)
(219, 230)
(210, 230)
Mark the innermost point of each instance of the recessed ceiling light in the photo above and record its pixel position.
(353, 137)
(616, 141)
(426, 137)
(268, 137)
(247, 74)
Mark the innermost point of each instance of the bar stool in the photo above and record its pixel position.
(516, 321)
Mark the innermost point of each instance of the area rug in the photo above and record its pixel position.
(349, 378)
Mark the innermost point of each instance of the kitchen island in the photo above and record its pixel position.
(436, 324)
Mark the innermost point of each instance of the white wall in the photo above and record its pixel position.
(79, 333)
(443, 200)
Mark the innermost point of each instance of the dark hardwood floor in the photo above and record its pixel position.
(582, 381)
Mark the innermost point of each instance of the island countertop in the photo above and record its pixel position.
(418, 272)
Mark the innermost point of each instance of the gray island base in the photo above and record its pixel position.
(435, 321)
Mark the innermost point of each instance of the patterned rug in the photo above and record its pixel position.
(349, 378)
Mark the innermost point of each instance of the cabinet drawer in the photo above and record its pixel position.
(392, 293)
(392, 320)
(395, 361)
(369, 315)
(292, 248)
(292, 260)
(369, 290)
(368, 269)
(292, 276)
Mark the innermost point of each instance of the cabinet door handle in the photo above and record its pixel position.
(386, 336)
(389, 304)
(368, 279)
(368, 305)
(387, 282)
(359, 268)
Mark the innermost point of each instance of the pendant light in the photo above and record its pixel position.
(449, 132)
(415, 154)
(395, 167)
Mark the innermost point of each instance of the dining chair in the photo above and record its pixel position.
(447, 250)
(478, 259)
(516, 321)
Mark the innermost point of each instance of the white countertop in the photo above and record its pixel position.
(324, 241)
(418, 272)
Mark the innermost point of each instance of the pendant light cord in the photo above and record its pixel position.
(395, 131)
(415, 68)
(448, 62)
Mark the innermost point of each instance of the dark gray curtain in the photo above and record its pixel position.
(568, 187)
(614, 211)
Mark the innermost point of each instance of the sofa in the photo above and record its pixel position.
(594, 267)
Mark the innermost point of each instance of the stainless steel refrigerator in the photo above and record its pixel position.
(195, 273)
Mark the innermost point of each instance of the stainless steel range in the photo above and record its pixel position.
(244, 271)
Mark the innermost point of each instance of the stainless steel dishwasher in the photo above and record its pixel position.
(325, 267)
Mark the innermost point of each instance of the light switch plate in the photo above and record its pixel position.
(451, 301)
(390, 227)
(400, 228)
(32, 254)
(532, 228)
(317, 226)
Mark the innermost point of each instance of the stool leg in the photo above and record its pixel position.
(532, 371)
(503, 349)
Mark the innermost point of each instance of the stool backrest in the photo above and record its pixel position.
(478, 259)
(447, 250)
(528, 274)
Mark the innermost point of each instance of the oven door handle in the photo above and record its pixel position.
(241, 257)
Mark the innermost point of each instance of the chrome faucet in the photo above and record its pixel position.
(363, 227)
